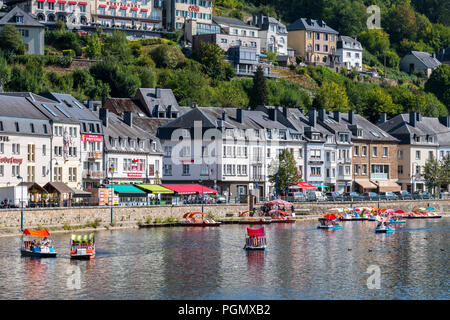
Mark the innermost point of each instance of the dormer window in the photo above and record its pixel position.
(343, 137)
(359, 133)
(19, 19)
(315, 136)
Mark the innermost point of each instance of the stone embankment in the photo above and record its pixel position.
(100, 217)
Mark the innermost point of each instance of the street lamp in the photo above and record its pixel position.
(200, 181)
(21, 210)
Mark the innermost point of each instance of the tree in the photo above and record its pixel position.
(259, 94)
(212, 58)
(445, 171)
(332, 97)
(439, 84)
(401, 23)
(166, 56)
(117, 46)
(432, 174)
(94, 48)
(377, 102)
(11, 40)
(230, 94)
(375, 40)
(287, 172)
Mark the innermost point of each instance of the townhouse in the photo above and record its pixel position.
(421, 138)
(131, 154)
(313, 40)
(178, 12)
(349, 52)
(25, 139)
(273, 34)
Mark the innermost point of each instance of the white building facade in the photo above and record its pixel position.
(349, 52)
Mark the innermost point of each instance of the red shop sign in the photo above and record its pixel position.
(194, 8)
(91, 138)
(135, 174)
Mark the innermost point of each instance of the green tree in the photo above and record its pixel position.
(259, 95)
(332, 97)
(117, 46)
(230, 94)
(378, 101)
(286, 173)
(212, 58)
(11, 40)
(94, 48)
(432, 174)
(400, 23)
(375, 40)
(166, 56)
(445, 171)
(439, 84)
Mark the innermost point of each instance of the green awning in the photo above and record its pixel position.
(127, 190)
(154, 188)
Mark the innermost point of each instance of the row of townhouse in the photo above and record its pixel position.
(235, 151)
(54, 138)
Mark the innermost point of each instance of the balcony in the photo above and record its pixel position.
(93, 174)
(258, 178)
(94, 155)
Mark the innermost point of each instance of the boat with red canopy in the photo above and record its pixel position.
(329, 222)
(256, 239)
(253, 220)
(37, 243)
(197, 219)
(279, 216)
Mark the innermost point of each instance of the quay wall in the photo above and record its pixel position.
(123, 216)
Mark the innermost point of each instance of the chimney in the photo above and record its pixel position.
(412, 119)
(224, 116)
(273, 114)
(128, 118)
(104, 101)
(322, 115)
(312, 117)
(336, 116)
(158, 93)
(351, 117)
(240, 115)
(285, 112)
(103, 115)
(383, 117)
(220, 123)
(169, 112)
(445, 120)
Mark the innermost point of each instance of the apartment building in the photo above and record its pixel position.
(178, 12)
(313, 40)
(133, 14)
(420, 139)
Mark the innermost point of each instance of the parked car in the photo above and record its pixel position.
(403, 195)
(421, 195)
(221, 199)
(312, 195)
(370, 196)
(334, 196)
(388, 196)
(296, 196)
(353, 196)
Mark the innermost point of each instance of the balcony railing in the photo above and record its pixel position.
(258, 177)
(94, 155)
(374, 176)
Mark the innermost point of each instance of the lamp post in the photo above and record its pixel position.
(200, 181)
(111, 169)
(21, 201)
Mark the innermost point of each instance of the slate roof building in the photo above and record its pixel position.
(418, 61)
(349, 52)
(420, 139)
(30, 29)
(273, 34)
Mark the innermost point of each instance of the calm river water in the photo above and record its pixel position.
(301, 262)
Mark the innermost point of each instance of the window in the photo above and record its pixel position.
(347, 170)
(417, 155)
(385, 152)
(2, 171)
(430, 155)
(57, 174)
(2, 148)
(186, 170)
(400, 155)
(72, 174)
(364, 169)
(15, 148)
(31, 153)
(316, 171)
(1, 125)
(356, 151)
(167, 151)
(300, 153)
(315, 154)
(32, 127)
(17, 126)
(15, 170)
(356, 169)
(400, 170)
(374, 151)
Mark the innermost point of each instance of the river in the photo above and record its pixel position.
(301, 262)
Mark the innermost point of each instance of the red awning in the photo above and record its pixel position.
(306, 185)
(82, 3)
(36, 233)
(134, 9)
(40, 0)
(256, 232)
(102, 6)
(123, 8)
(51, 1)
(113, 7)
(145, 10)
(186, 189)
(62, 1)
(330, 216)
(72, 2)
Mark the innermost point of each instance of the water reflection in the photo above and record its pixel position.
(301, 262)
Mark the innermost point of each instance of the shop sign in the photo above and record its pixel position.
(11, 160)
(91, 138)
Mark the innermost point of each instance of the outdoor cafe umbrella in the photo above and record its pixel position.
(278, 202)
(430, 208)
